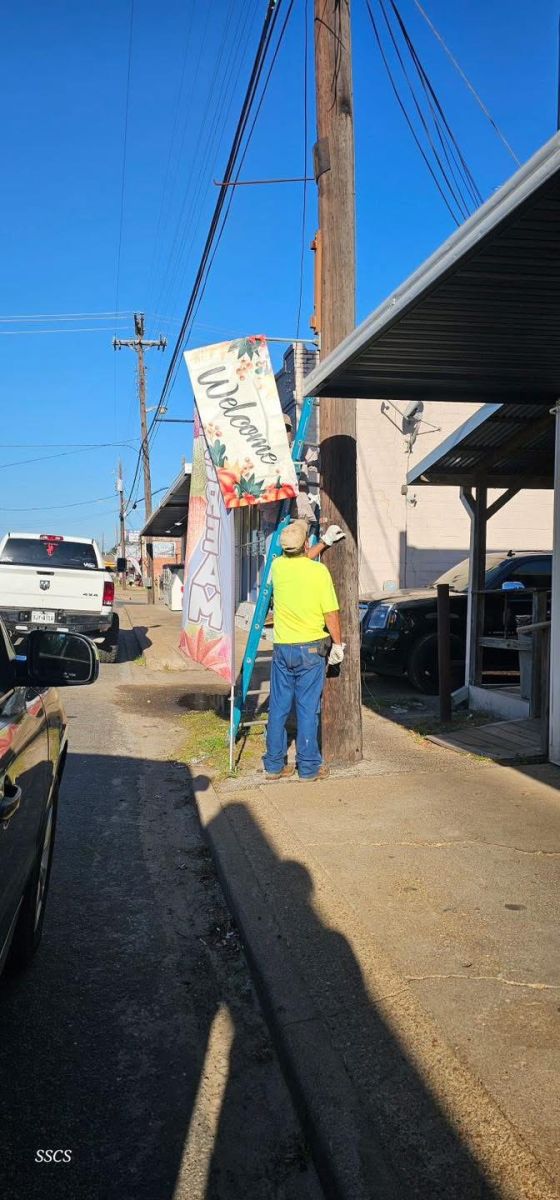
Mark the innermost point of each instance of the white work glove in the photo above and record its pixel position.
(333, 534)
(337, 653)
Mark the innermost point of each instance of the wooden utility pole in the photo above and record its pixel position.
(334, 172)
(120, 490)
(139, 343)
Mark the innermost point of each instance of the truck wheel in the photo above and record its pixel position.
(422, 667)
(108, 652)
(29, 926)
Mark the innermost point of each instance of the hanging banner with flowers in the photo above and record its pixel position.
(207, 634)
(239, 406)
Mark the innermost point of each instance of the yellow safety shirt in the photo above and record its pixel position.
(303, 593)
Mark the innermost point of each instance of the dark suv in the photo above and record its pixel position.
(399, 629)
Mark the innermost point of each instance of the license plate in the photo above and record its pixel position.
(39, 617)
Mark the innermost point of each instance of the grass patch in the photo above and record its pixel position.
(207, 745)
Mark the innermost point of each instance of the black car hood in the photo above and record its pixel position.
(429, 593)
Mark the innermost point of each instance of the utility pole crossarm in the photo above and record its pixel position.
(139, 344)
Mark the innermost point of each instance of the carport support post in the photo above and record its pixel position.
(476, 507)
(554, 740)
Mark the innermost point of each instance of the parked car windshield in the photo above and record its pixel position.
(458, 577)
(45, 552)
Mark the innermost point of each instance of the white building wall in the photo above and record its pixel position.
(409, 540)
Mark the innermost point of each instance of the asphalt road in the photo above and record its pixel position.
(135, 1042)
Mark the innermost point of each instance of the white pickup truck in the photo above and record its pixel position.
(50, 581)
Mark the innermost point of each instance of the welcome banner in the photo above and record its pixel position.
(207, 634)
(239, 406)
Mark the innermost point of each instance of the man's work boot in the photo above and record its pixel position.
(283, 774)
(322, 773)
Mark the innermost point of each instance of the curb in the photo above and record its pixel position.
(321, 1090)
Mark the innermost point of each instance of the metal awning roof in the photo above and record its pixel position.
(501, 446)
(480, 320)
(170, 518)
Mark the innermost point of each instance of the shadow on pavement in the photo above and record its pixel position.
(109, 1042)
(391, 1130)
(133, 1041)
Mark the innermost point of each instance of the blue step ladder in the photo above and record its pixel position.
(265, 593)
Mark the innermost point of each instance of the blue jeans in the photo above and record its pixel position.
(298, 673)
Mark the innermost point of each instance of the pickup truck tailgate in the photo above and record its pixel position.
(41, 587)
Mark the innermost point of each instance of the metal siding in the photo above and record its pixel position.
(480, 320)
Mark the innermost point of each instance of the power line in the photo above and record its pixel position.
(65, 445)
(271, 17)
(455, 188)
(192, 207)
(196, 301)
(305, 136)
(226, 183)
(33, 332)
(468, 83)
(81, 316)
(125, 142)
(449, 169)
(23, 462)
(406, 115)
(74, 504)
(56, 507)
(431, 96)
(167, 173)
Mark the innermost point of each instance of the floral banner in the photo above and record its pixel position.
(237, 399)
(207, 635)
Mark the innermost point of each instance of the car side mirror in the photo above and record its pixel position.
(57, 660)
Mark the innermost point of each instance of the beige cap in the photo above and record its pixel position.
(294, 536)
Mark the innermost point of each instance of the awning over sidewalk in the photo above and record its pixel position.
(501, 446)
(170, 518)
(480, 320)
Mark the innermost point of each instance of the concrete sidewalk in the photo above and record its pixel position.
(156, 632)
(402, 922)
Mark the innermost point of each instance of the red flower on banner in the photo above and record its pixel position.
(212, 652)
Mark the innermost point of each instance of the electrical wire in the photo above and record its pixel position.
(431, 96)
(82, 316)
(175, 126)
(223, 200)
(65, 445)
(305, 136)
(448, 167)
(23, 462)
(32, 332)
(121, 213)
(406, 116)
(125, 144)
(468, 83)
(56, 507)
(74, 504)
(231, 190)
(455, 191)
(193, 204)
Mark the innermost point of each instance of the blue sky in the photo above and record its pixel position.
(64, 69)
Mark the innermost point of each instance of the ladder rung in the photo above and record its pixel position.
(254, 692)
(263, 721)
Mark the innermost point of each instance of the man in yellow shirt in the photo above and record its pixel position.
(306, 612)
